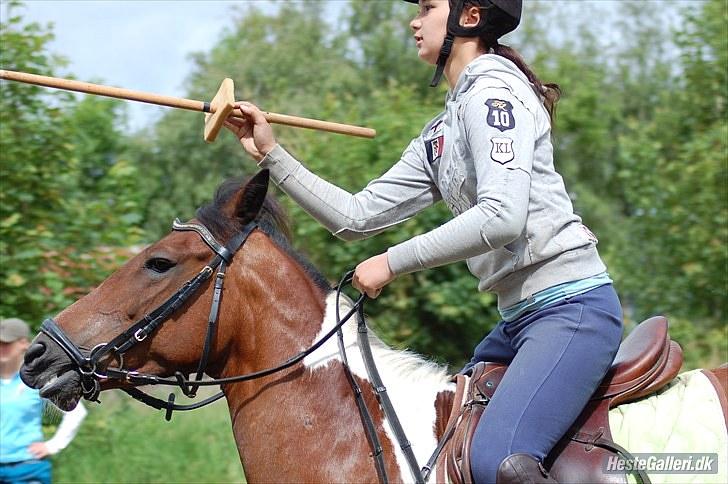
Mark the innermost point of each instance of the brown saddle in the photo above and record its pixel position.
(646, 361)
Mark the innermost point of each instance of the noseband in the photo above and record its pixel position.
(88, 364)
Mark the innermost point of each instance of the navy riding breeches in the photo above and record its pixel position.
(557, 357)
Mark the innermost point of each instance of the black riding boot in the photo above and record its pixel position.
(523, 469)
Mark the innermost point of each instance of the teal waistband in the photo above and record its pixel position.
(553, 295)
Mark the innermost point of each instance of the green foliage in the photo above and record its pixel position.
(672, 167)
(134, 444)
(66, 190)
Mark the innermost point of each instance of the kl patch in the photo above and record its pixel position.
(502, 150)
(500, 114)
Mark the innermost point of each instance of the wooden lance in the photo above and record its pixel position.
(218, 109)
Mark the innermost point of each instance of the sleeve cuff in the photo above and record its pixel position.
(403, 259)
(280, 163)
(52, 446)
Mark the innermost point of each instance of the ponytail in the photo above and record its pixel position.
(549, 93)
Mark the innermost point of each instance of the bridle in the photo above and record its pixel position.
(87, 361)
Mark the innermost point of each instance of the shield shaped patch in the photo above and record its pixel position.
(502, 150)
(500, 114)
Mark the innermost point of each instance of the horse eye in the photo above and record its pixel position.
(159, 264)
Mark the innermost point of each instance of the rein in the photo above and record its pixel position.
(87, 362)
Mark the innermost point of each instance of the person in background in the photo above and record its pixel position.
(23, 450)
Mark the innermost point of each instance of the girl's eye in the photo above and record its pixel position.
(424, 8)
(159, 264)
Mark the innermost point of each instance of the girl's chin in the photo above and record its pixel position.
(427, 57)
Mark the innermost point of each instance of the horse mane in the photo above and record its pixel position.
(407, 364)
(272, 220)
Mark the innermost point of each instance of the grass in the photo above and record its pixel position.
(125, 441)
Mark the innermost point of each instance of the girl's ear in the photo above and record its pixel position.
(249, 200)
(470, 16)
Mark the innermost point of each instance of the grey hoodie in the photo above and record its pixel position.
(489, 156)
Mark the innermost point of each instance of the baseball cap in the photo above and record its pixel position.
(13, 329)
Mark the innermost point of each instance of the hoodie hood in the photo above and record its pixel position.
(490, 66)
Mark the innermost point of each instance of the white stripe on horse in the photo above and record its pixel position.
(411, 381)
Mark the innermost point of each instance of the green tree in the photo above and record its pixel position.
(673, 167)
(65, 191)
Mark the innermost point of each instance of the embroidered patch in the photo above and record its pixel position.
(500, 114)
(502, 150)
(434, 148)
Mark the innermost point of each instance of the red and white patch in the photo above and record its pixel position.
(435, 147)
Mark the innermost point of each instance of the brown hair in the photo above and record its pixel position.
(548, 92)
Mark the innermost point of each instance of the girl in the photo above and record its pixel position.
(489, 156)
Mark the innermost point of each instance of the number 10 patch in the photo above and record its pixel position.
(500, 114)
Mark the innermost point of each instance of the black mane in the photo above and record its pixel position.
(271, 219)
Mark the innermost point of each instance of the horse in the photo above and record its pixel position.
(163, 315)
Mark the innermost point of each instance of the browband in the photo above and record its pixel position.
(206, 236)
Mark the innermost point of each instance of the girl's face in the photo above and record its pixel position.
(429, 28)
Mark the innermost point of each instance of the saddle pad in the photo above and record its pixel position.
(684, 417)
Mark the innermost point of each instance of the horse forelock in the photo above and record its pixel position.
(223, 226)
(272, 220)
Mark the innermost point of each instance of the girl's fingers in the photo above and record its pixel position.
(252, 111)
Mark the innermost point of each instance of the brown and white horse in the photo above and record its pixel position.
(301, 424)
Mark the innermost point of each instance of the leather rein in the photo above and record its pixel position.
(87, 361)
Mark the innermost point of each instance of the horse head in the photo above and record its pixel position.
(109, 329)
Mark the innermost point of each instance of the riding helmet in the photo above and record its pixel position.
(502, 16)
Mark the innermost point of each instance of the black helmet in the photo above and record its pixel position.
(503, 17)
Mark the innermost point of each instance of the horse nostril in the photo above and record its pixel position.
(33, 352)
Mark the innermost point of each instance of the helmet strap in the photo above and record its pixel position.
(455, 29)
(442, 59)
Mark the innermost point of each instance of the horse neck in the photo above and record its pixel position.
(413, 384)
(298, 414)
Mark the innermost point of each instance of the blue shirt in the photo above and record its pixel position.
(554, 294)
(21, 410)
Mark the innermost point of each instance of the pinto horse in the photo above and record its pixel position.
(302, 423)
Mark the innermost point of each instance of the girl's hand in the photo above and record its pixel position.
(254, 132)
(372, 275)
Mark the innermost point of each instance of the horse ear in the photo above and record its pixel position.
(250, 199)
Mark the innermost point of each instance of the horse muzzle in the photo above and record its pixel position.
(48, 368)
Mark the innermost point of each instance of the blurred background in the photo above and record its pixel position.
(640, 137)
